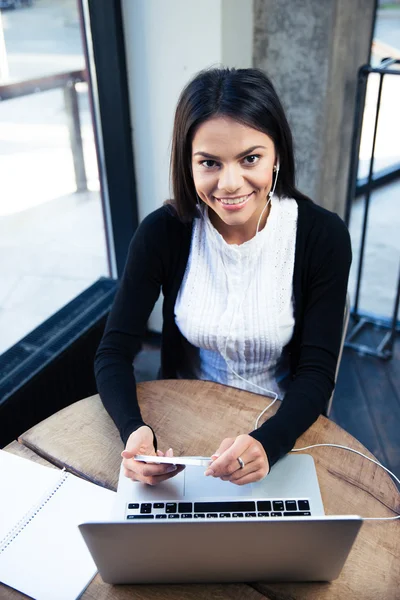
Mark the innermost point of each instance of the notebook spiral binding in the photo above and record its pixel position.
(31, 514)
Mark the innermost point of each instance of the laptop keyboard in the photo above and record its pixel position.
(218, 510)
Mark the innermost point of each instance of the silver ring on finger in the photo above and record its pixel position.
(241, 462)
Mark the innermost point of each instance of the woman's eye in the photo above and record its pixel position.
(209, 164)
(251, 159)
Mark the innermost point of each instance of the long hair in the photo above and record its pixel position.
(246, 95)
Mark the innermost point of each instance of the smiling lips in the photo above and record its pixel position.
(234, 203)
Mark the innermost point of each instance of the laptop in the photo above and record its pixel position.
(200, 529)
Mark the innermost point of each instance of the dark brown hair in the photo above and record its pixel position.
(246, 95)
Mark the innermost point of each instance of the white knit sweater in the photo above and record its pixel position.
(235, 305)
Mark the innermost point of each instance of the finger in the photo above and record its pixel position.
(252, 477)
(257, 467)
(225, 444)
(144, 469)
(127, 454)
(250, 467)
(132, 453)
(169, 452)
(147, 470)
(254, 461)
(227, 463)
(158, 479)
(154, 479)
(250, 461)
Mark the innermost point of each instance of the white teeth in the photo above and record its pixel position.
(234, 200)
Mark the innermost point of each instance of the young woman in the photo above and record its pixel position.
(254, 277)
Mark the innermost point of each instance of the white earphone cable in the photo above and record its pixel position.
(364, 456)
(224, 354)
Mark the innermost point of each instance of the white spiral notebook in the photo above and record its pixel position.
(42, 552)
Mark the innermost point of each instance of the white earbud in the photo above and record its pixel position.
(271, 192)
(276, 171)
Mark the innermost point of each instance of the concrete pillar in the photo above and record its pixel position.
(312, 50)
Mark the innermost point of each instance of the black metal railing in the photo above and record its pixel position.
(67, 82)
(355, 188)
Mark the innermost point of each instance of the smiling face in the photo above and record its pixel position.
(232, 166)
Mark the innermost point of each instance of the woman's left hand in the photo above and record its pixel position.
(227, 466)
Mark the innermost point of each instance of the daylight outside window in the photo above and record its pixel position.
(52, 240)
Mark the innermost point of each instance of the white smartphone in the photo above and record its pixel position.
(194, 461)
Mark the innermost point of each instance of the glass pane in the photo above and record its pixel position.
(52, 238)
(386, 43)
(380, 260)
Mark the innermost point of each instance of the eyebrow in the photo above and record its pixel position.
(241, 155)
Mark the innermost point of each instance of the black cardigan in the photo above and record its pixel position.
(157, 260)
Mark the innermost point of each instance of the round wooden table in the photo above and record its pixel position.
(193, 417)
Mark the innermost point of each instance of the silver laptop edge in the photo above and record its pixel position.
(281, 549)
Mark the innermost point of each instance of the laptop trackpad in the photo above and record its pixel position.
(199, 486)
(190, 483)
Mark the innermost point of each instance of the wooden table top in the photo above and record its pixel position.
(83, 439)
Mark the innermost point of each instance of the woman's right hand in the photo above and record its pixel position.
(141, 441)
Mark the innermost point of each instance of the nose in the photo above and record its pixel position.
(230, 179)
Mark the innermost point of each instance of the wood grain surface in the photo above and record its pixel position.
(25, 452)
(193, 417)
(233, 591)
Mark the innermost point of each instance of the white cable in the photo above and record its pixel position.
(364, 456)
(265, 410)
(224, 354)
(262, 212)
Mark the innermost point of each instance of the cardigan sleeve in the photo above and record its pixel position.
(126, 325)
(320, 330)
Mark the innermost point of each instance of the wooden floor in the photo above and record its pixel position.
(366, 401)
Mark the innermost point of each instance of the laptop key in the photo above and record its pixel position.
(291, 505)
(199, 516)
(171, 507)
(185, 507)
(278, 505)
(217, 507)
(173, 516)
(303, 504)
(263, 514)
(140, 517)
(158, 505)
(224, 515)
(250, 514)
(161, 516)
(132, 506)
(296, 513)
(237, 514)
(145, 508)
(276, 514)
(264, 505)
(212, 515)
(186, 515)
